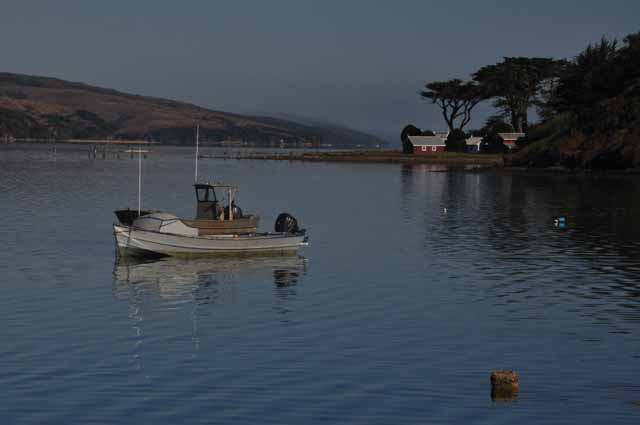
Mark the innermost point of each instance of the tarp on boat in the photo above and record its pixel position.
(164, 223)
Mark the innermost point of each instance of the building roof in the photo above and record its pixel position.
(426, 140)
(474, 140)
(511, 136)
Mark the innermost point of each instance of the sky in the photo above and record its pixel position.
(360, 63)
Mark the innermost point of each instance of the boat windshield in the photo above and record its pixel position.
(205, 193)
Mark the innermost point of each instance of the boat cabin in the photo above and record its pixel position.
(217, 212)
(210, 202)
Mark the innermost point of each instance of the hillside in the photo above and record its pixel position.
(558, 142)
(42, 107)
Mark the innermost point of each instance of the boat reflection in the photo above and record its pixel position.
(190, 287)
(188, 279)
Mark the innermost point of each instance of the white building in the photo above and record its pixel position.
(473, 144)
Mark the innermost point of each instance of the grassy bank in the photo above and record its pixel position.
(446, 158)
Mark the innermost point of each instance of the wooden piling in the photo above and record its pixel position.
(505, 385)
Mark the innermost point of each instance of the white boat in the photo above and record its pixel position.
(216, 230)
(165, 234)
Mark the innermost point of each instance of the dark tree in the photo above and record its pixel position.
(456, 141)
(587, 79)
(600, 89)
(495, 124)
(492, 143)
(456, 100)
(409, 130)
(517, 83)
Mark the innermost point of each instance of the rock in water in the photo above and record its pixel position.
(505, 385)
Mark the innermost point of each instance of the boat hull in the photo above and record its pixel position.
(133, 241)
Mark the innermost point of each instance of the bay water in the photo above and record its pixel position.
(417, 283)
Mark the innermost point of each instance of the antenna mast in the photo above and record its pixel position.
(139, 179)
(197, 146)
(139, 152)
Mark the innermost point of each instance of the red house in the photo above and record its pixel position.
(427, 145)
(510, 139)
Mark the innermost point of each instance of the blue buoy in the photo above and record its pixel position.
(560, 222)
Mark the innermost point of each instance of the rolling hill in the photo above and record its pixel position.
(44, 108)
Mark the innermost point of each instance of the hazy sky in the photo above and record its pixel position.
(354, 62)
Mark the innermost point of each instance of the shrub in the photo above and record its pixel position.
(492, 143)
(409, 130)
(457, 141)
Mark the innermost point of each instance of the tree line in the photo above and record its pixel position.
(599, 90)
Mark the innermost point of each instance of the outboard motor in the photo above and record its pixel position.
(286, 223)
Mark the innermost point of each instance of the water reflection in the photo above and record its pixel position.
(499, 228)
(206, 280)
(189, 286)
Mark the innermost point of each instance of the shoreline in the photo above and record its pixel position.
(84, 142)
(468, 162)
(389, 157)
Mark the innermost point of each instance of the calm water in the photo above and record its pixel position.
(396, 313)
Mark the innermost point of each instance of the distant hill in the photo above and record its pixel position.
(42, 108)
(340, 134)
